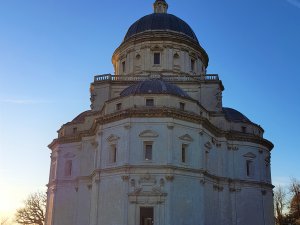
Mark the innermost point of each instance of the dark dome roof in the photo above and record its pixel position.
(235, 116)
(162, 22)
(154, 86)
(81, 117)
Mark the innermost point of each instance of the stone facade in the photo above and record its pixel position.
(158, 157)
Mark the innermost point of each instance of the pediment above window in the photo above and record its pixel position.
(250, 155)
(156, 48)
(148, 134)
(186, 137)
(113, 138)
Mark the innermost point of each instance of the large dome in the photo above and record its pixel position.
(154, 86)
(160, 22)
(233, 115)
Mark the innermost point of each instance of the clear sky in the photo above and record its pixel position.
(50, 50)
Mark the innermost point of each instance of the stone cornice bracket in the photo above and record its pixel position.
(132, 182)
(169, 178)
(125, 178)
(232, 147)
(127, 126)
(208, 147)
(94, 143)
(170, 126)
(202, 179)
(216, 142)
(201, 132)
(218, 187)
(97, 177)
(233, 189)
(53, 158)
(53, 189)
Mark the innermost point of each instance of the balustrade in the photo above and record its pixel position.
(110, 77)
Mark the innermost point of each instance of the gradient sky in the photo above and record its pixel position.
(50, 50)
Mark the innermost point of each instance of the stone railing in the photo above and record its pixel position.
(110, 77)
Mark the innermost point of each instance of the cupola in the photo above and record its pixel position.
(160, 6)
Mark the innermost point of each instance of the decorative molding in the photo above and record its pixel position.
(155, 76)
(169, 178)
(233, 189)
(268, 159)
(127, 126)
(170, 126)
(147, 179)
(208, 145)
(232, 147)
(132, 182)
(113, 138)
(216, 142)
(186, 137)
(69, 155)
(97, 178)
(53, 159)
(218, 187)
(250, 155)
(156, 48)
(162, 182)
(125, 177)
(202, 179)
(148, 134)
(162, 112)
(94, 143)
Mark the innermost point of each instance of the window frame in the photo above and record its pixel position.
(193, 64)
(184, 153)
(123, 66)
(145, 153)
(182, 106)
(119, 106)
(157, 56)
(68, 168)
(113, 154)
(147, 101)
(249, 168)
(244, 129)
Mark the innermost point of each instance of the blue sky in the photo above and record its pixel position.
(50, 51)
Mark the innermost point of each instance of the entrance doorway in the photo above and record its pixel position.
(146, 216)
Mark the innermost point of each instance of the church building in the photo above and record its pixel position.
(157, 146)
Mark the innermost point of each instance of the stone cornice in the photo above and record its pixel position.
(163, 112)
(172, 171)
